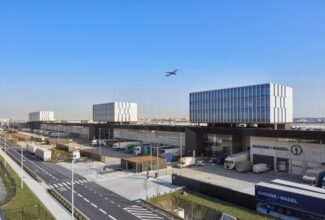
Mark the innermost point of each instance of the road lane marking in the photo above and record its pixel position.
(112, 217)
(80, 195)
(103, 211)
(55, 185)
(86, 200)
(112, 202)
(94, 205)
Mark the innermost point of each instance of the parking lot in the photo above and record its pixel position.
(243, 182)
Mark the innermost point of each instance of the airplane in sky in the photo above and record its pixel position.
(171, 73)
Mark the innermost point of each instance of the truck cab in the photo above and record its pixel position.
(314, 177)
(230, 161)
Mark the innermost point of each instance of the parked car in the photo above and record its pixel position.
(200, 163)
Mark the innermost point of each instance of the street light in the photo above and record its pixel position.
(22, 167)
(100, 143)
(5, 150)
(72, 185)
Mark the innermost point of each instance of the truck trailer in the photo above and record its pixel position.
(123, 145)
(298, 186)
(186, 162)
(43, 154)
(31, 148)
(285, 202)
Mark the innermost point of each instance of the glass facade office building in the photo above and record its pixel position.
(265, 104)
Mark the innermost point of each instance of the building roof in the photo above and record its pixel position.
(141, 159)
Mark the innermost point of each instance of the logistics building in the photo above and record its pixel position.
(115, 112)
(41, 116)
(258, 104)
(281, 147)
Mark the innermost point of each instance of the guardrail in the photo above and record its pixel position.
(29, 171)
(66, 204)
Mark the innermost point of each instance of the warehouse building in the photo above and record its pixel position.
(115, 112)
(41, 116)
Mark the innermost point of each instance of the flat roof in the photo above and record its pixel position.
(141, 159)
(292, 190)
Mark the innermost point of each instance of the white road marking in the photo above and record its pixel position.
(103, 211)
(94, 205)
(86, 200)
(112, 202)
(55, 185)
(112, 217)
(80, 195)
(59, 184)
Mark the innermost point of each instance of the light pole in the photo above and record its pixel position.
(181, 151)
(22, 167)
(100, 144)
(72, 187)
(5, 150)
(58, 134)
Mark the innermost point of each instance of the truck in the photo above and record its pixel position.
(243, 166)
(169, 150)
(43, 154)
(186, 162)
(143, 149)
(314, 176)
(123, 145)
(285, 202)
(260, 168)
(31, 148)
(231, 160)
(98, 142)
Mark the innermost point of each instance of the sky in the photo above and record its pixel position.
(66, 56)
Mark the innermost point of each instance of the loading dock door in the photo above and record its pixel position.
(297, 167)
(269, 160)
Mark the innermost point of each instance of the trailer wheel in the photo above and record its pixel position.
(280, 210)
(288, 212)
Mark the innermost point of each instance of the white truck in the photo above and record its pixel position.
(43, 154)
(231, 160)
(186, 162)
(123, 145)
(31, 148)
(260, 168)
(314, 176)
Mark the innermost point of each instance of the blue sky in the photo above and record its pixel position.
(67, 55)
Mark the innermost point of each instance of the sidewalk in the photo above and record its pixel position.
(48, 201)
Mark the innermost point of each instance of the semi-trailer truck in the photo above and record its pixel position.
(285, 202)
(315, 176)
(122, 145)
(230, 161)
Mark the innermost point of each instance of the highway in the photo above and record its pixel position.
(93, 200)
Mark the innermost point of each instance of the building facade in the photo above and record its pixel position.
(41, 116)
(258, 104)
(293, 156)
(115, 112)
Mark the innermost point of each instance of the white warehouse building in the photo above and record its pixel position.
(257, 104)
(41, 116)
(115, 112)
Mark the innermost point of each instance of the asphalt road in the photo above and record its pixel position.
(93, 200)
